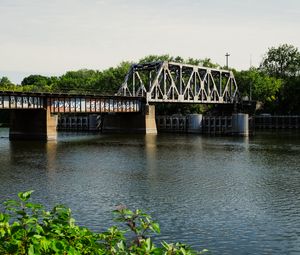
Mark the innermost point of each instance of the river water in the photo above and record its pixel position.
(229, 195)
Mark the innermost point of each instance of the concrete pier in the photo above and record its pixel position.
(131, 122)
(33, 124)
(194, 123)
(150, 121)
(217, 125)
(240, 124)
(78, 122)
(236, 124)
(174, 123)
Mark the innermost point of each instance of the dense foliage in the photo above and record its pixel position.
(283, 63)
(26, 228)
(257, 85)
(275, 83)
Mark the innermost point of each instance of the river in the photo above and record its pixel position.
(229, 195)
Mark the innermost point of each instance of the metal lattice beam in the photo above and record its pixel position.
(180, 83)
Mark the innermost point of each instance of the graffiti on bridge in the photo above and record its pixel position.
(20, 102)
(71, 104)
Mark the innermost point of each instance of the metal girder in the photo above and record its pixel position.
(93, 104)
(180, 83)
(69, 103)
(13, 101)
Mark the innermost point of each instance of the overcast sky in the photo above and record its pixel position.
(52, 37)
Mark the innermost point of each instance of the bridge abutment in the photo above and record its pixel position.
(143, 122)
(32, 124)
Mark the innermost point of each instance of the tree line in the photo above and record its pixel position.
(275, 82)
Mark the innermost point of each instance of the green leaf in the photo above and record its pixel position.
(155, 227)
(12, 203)
(33, 206)
(58, 246)
(24, 196)
(4, 218)
(31, 250)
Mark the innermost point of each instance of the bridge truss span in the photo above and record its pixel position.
(180, 83)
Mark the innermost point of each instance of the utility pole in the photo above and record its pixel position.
(227, 55)
(250, 89)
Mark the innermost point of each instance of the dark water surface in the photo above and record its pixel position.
(229, 195)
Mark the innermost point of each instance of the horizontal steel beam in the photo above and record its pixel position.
(93, 105)
(13, 101)
(69, 103)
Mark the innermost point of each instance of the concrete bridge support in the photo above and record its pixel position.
(131, 122)
(235, 125)
(150, 121)
(240, 124)
(32, 124)
(195, 123)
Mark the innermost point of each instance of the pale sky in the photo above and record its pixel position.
(50, 37)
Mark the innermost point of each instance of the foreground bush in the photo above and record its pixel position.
(26, 228)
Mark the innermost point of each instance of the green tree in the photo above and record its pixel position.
(36, 82)
(290, 96)
(6, 84)
(80, 81)
(208, 63)
(35, 79)
(262, 87)
(192, 61)
(201, 62)
(154, 58)
(110, 80)
(281, 62)
(284, 62)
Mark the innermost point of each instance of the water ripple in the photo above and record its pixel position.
(230, 195)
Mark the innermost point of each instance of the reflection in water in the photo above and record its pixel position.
(230, 195)
(151, 157)
(51, 166)
(51, 148)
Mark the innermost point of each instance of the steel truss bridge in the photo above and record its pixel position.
(155, 82)
(171, 82)
(34, 115)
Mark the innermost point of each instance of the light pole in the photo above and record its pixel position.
(227, 55)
